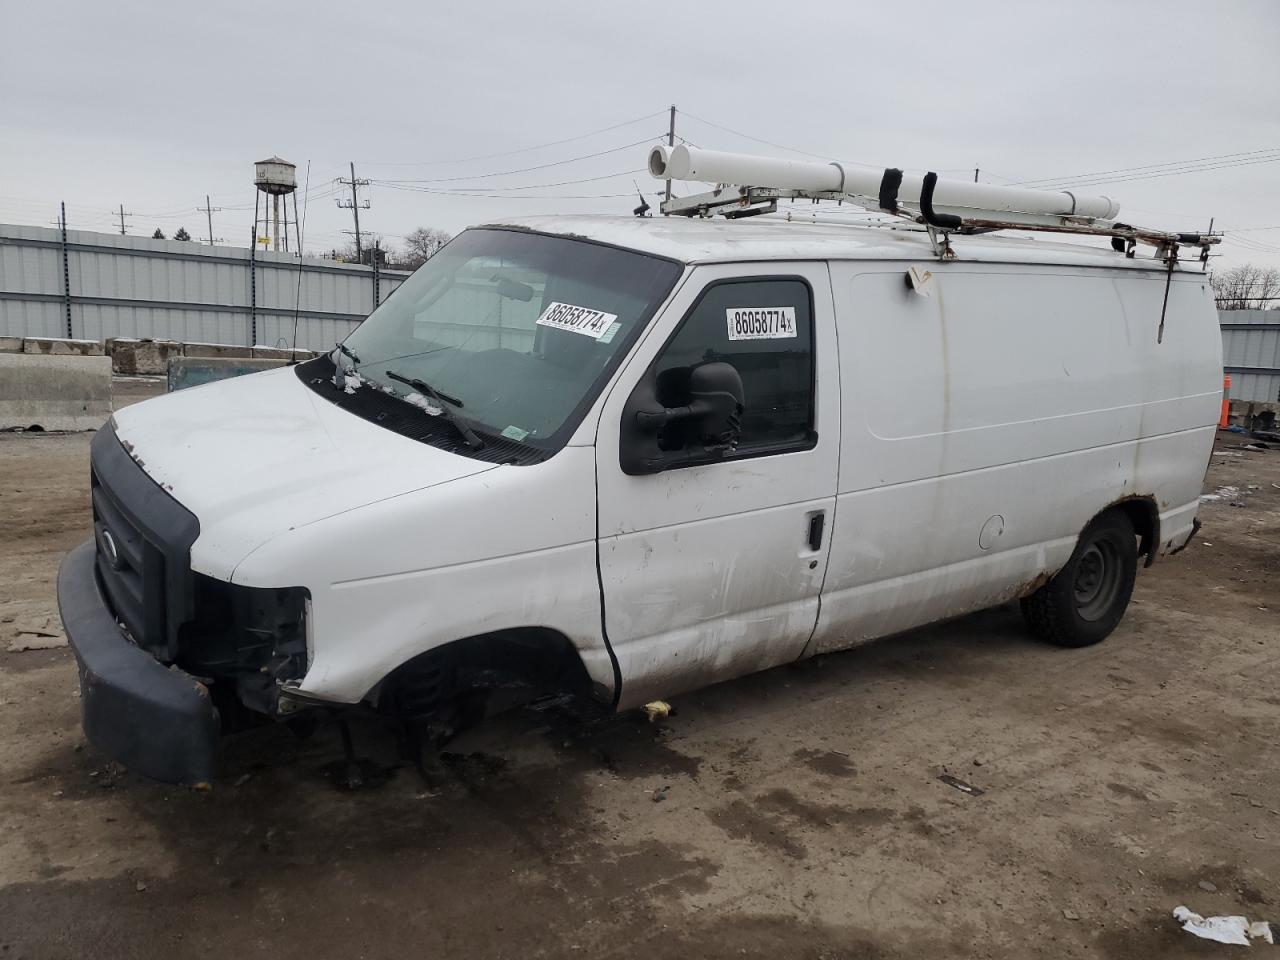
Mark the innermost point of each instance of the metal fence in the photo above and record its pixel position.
(1251, 353)
(92, 286)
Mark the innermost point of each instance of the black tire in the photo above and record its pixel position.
(1084, 602)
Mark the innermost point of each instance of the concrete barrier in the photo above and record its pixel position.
(132, 357)
(283, 353)
(59, 347)
(187, 372)
(64, 392)
(223, 351)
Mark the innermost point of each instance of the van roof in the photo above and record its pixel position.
(717, 240)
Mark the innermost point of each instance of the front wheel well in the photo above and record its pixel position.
(515, 661)
(1145, 517)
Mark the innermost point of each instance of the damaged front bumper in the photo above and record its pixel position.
(156, 720)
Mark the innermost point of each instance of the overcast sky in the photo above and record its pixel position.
(153, 105)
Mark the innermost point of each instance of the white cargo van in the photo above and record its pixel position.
(628, 457)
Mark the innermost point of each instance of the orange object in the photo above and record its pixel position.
(1225, 420)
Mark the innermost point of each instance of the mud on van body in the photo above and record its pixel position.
(626, 458)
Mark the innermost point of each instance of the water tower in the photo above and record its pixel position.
(275, 177)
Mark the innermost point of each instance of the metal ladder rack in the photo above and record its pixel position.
(963, 214)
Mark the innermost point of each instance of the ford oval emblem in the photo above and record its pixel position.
(110, 549)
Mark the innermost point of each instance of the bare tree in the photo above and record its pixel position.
(421, 245)
(1247, 287)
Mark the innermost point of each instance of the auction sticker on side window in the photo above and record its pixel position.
(761, 323)
(584, 320)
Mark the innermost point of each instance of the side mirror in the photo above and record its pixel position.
(656, 437)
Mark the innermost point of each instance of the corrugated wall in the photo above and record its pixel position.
(1251, 353)
(137, 287)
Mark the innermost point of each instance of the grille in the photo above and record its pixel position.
(131, 569)
(144, 540)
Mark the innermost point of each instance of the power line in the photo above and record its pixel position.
(436, 191)
(999, 176)
(1235, 235)
(1174, 173)
(1150, 171)
(540, 166)
(1252, 229)
(1147, 166)
(406, 185)
(1254, 246)
(509, 153)
(1157, 174)
(767, 143)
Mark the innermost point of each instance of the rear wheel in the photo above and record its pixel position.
(1085, 601)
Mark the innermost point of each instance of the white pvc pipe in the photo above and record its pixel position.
(659, 157)
(950, 196)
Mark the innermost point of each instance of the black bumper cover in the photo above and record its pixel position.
(156, 720)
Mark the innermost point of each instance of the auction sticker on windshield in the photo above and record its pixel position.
(584, 320)
(761, 323)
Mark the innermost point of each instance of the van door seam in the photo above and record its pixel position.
(605, 395)
(604, 627)
(835, 497)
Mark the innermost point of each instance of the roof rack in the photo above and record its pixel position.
(941, 207)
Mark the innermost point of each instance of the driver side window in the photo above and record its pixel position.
(764, 328)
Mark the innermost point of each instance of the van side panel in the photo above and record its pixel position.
(986, 424)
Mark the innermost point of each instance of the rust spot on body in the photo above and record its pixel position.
(1029, 587)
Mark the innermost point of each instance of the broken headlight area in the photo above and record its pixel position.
(245, 643)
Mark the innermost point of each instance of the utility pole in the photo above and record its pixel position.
(208, 211)
(975, 174)
(354, 204)
(122, 216)
(66, 267)
(671, 142)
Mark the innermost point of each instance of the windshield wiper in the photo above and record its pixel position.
(424, 387)
(339, 375)
(459, 423)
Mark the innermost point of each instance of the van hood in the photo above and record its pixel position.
(259, 455)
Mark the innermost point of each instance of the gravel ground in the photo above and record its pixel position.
(796, 813)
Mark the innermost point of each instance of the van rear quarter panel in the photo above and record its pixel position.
(1019, 399)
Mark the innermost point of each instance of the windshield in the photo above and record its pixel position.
(515, 330)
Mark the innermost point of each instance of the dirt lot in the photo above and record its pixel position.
(803, 814)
